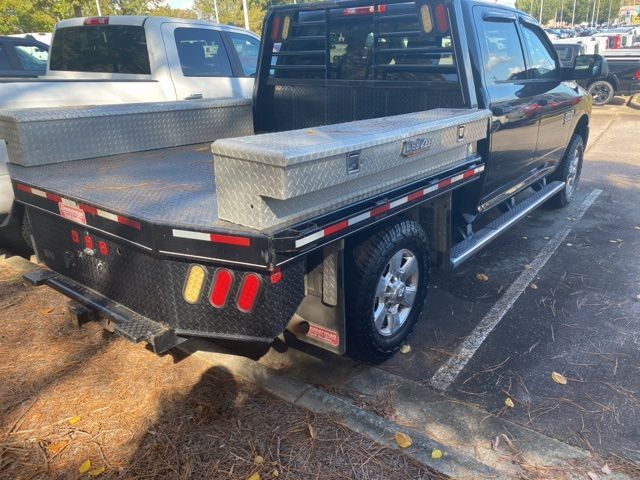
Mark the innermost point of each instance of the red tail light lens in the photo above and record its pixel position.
(222, 283)
(102, 247)
(442, 20)
(275, 29)
(249, 292)
(636, 76)
(88, 242)
(96, 21)
(75, 236)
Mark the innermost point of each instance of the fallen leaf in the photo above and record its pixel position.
(403, 440)
(525, 238)
(57, 447)
(75, 419)
(593, 476)
(406, 348)
(46, 311)
(569, 244)
(558, 378)
(533, 286)
(84, 468)
(482, 277)
(259, 460)
(605, 469)
(275, 473)
(436, 453)
(97, 471)
(254, 476)
(495, 443)
(509, 403)
(547, 238)
(312, 431)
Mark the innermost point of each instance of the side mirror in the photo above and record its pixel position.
(586, 67)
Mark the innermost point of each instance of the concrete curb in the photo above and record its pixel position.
(454, 464)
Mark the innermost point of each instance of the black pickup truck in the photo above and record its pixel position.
(382, 134)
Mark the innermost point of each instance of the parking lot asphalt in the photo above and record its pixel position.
(578, 313)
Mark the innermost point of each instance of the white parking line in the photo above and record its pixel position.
(450, 370)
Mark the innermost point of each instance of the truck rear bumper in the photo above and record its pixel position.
(134, 327)
(132, 285)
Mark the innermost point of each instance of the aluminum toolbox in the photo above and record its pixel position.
(53, 135)
(285, 177)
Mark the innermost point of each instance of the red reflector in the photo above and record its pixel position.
(221, 287)
(88, 209)
(380, 210)
(276, 275)
(231, 240)
(75, 236)
(442, 21)
(415, 195)
(104, 250)
(275, 29)
(96, 21)
(358, 11)
(336, 227)
(382, 8)
(636, 76)
(444, 183)
(248, 292)
(88, 242)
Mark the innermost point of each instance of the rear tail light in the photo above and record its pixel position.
(275, 29)
(96, 21)
(194, 284)
(75, 236)
(88, 242)
(249, 290)
(102, 247)
(442, 20)
(285, 27)
(222, 283)
(636, 76)
(425, 16)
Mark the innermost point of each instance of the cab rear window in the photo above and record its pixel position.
(101, 49)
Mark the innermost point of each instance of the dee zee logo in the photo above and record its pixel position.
(415, 146)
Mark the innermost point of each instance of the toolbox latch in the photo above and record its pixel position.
(353, 162)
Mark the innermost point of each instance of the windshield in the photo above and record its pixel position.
(101, 49)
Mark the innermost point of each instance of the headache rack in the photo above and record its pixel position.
(343, 61)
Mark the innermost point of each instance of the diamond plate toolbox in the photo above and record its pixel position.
(285, 177)
(53, 135)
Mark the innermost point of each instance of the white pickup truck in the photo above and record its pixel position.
(132, 59)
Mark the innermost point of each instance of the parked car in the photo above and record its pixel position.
(333, 197)
(623, 77)
(22, 58)
(116, 60)
(129, 59)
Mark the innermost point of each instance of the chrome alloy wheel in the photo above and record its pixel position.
(396, 292)
(572, 174)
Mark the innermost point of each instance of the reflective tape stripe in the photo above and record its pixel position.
(380, 209)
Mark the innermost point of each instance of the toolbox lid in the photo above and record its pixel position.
(287, 148)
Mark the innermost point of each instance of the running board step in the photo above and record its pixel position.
(467, 248)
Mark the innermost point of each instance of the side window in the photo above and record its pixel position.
(247, 49)
(4, 59)
(32, 57)
(505, 60)
(202, 53)
(543, 64)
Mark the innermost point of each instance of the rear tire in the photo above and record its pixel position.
(568, 172)
(602, 92)
(387, 280)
